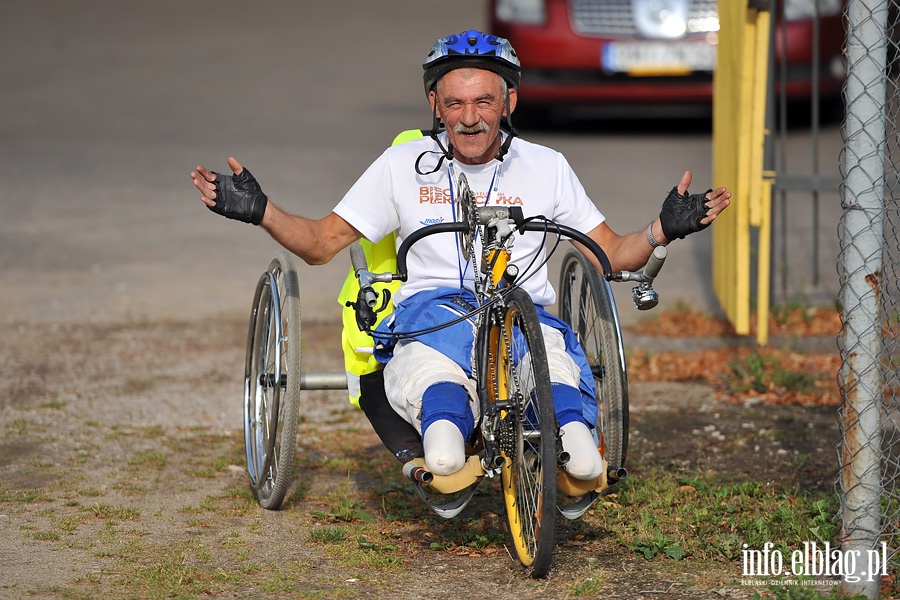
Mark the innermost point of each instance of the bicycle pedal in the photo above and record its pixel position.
(468, 475)
(570, 486)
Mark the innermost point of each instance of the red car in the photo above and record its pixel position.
(651, 52)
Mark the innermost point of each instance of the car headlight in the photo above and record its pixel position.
(796, 10)
(527, 12)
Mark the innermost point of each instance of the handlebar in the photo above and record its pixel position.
(365, 276)
(402, 274)
(367, 298)
(643, 296)
(656, 262)
(579, 237)
(537, 226)
(360, 267)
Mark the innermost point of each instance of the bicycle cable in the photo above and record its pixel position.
(528, 272)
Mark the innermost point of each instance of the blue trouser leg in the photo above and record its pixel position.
(566, 403)
(448, 401)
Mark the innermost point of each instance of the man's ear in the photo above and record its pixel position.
(513, 98)
(432, 100)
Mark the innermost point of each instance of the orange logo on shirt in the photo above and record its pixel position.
(432, 194)
(509, 200)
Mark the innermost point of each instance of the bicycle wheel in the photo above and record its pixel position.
(272, 382)
(586, 303)
(527, 431)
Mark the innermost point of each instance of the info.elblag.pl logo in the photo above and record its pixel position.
(815, 560)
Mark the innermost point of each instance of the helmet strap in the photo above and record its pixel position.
(445, 152)
(504, 148)
(436, 127)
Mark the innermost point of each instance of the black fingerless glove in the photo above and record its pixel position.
(681, 214)
(239, 197)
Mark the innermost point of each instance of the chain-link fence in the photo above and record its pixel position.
(869, 267)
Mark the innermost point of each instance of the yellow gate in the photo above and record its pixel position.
(739, 108)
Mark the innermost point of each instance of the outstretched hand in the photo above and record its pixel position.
(683, 213)
(717, 199)
(237, 196)
(204, 180)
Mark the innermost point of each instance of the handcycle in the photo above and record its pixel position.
(517, 437)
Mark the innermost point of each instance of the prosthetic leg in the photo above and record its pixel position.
(395, 433)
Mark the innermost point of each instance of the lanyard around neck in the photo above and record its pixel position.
(493, 188)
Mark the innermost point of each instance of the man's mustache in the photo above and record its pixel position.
(480, 127)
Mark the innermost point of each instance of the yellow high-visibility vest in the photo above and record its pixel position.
(358, 345)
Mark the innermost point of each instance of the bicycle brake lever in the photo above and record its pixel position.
(366, 313)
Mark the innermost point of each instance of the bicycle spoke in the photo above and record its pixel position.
(587, 305)
(271, 396)
(529, 487)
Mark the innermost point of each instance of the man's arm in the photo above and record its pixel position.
(314, 241)
(630, 252)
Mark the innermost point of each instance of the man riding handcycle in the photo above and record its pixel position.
(471, 169)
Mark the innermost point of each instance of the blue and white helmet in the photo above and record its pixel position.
(472, 49)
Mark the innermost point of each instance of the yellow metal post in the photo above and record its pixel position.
(739, 108)
(761, 180)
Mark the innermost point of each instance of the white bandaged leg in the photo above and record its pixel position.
(445, 449)
(584, 456)
(562, 367)
(414, 368)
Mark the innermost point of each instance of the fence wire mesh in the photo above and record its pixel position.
(869, 267)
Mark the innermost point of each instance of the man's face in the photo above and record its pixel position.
(471, 103)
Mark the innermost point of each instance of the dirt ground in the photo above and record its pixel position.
(121, 464)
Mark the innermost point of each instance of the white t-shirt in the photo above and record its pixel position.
(391, 196)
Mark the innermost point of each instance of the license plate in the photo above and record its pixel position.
(658, 58)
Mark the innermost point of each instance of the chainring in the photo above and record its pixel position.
(466, 213)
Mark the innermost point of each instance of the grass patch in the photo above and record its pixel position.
(328, 535)
(369, 554)
(761, 373)
(486, 532)
(130, 488)
(343, 508)
(177, 571)
(707, 517)
(149, 458)
(23, 496)
(120, 513)
(217, 465)
(68, 524)
(54, 404)
(23, 426)
(46, 536)
(591, 586)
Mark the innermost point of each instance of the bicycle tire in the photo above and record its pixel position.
(528, 477)
(272, 382)
(587, 304)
